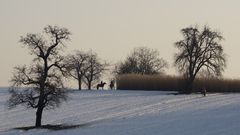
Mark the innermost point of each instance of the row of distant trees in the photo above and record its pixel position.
(200, 51)
(40, 85)
(85, 67)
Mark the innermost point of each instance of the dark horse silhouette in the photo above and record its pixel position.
(101, 85)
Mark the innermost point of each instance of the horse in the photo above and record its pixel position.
(101, 85)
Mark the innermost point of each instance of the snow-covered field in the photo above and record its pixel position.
(131, 113)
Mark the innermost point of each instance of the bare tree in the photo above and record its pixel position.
(40, 85)
(199, 51)
(95, 69)
(142, 60)
(77, 65)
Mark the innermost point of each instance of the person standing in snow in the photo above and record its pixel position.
(111, 84)
(204, 92)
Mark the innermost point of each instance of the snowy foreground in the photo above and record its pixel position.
(131, 113)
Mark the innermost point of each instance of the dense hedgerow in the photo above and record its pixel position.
(174, 83)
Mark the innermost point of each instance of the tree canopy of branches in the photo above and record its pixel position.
(95, 69)
(40, 85)
(199, 51)
(77, 65)
(142, 60)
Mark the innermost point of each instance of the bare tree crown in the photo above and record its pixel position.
(40, 47)
(77, 66)
(95, 69)
(142, 60)
(40, 85)
(200, 51)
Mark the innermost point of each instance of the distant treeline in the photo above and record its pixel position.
(174, 83)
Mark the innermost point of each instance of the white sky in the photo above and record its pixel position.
(113, 28)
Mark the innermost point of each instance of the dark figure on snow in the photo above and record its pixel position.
(101, 85)
(204, 92)
(111, 85)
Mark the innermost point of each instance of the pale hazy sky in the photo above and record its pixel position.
(113, 28)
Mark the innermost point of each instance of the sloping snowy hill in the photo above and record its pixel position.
(131, 113)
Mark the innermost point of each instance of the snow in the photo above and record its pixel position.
(131, 112)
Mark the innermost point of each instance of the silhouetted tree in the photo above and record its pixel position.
(199, 51)
(95, 69)
(77, 65)
(142, 60)
(40, 85)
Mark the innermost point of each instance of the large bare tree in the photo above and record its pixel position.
(77, 65)
(40, 85)
(142, 60)
(199, 51)
(95, 69)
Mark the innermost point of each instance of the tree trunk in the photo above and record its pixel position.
(39, 117)
(79, 84)
(189, 85)
(40, 107)
(79, 80)
(89, 85)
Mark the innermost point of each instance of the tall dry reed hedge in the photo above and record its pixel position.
(174, 83)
